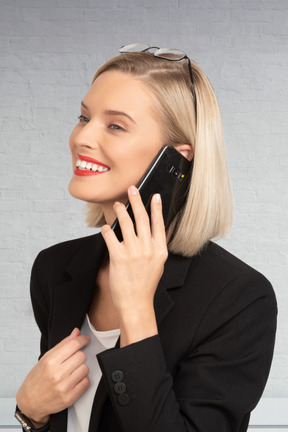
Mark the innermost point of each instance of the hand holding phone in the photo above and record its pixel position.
(169, 175)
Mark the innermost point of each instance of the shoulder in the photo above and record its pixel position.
(226, 268)
(242, 303)
(52, 262)
(64, 250)
(221, 292)
(215, 275)
(232, 286)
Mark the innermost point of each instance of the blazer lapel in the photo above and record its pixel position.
(72, 299)
(174, 275)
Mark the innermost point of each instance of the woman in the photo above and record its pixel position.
(196, 324)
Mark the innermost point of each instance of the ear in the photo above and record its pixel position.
(186, 150)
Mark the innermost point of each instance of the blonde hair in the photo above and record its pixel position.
(208, 211)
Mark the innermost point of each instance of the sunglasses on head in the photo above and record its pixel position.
(165, 54)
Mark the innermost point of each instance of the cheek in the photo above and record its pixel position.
(72, 148)
(133, 170)
(72, 140)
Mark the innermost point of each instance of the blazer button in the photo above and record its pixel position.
(117, 376)
(120, 387)
(123, 399)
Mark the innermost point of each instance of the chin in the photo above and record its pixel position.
(85, 192)
(77, 191)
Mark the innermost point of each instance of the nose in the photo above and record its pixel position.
(86, 136)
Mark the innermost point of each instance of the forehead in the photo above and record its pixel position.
(121, 91)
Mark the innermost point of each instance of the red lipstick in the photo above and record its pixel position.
(89, 159)
(96, 167)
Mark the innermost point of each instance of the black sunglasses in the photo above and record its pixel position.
(166, 54)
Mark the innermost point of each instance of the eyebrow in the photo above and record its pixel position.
(122, 113)
(112, 112)
(84, 106)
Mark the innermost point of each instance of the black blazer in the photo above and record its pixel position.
(207, 367)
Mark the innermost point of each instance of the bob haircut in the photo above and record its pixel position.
(208, 211)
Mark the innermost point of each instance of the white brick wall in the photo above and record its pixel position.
(48, 54)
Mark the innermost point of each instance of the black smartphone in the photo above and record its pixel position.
(169, 175)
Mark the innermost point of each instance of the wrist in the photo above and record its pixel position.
(30, 425)
(39, 424)
(38, 420)
(136, 326)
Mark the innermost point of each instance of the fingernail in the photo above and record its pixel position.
(133, 190)
(117, 203)
(157, 198)
(74, 331)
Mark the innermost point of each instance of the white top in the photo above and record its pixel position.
(79, 413)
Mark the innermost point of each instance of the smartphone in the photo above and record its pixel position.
(169, 175)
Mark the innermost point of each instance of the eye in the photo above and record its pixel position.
(116, 127)
(83, 119)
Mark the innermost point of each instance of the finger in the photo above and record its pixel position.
(157, 221)
(140, 214)
(58, 347)
(110, 238)
(71, 346)
(78, 375)
(125, 222)
(79, 389)
(74, 345)
(74, 362)
(73, 334)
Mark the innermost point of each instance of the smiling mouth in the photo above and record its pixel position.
(88, 166)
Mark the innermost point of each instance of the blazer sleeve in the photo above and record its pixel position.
(216, 384)
(40, 303)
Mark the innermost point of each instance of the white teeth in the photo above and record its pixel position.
(83, 165)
